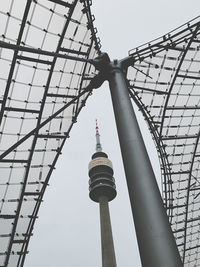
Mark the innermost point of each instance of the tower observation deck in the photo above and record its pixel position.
(102, 190)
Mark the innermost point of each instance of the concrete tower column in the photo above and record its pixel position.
(107, 245)
(102, 190)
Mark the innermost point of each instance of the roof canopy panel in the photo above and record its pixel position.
(44, 71)
(164, 80)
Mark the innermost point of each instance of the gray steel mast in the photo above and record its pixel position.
(156, 242)
(102, 190)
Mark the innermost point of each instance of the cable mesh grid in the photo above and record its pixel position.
(34, 86)
(164, 81)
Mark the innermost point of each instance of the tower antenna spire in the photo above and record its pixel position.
(98, 143)
(103, 190)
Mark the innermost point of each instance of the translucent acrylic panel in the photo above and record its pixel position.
(13, 259)
(32, 79)
(9, 208)
(2, 258)
(6, 226)
(41, 17)
(5, 57)
(13, 29)
(170, 99)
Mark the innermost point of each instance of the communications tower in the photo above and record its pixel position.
(102, 190)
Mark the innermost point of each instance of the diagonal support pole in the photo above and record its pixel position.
(88, 90)
(156, 242)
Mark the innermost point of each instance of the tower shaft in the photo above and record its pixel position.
(107, 245)
(102, 190)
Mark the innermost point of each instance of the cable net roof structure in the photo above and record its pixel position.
(44, 74)
(164, 81)
(46, 48)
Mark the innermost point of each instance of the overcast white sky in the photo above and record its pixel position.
(67, 232)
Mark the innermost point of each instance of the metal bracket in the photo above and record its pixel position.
(102, 64)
